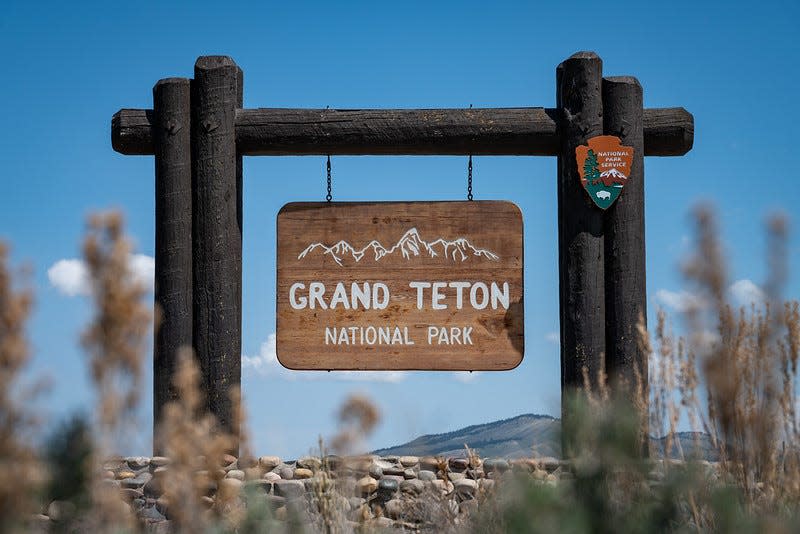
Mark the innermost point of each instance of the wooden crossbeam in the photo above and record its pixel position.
(489, 132)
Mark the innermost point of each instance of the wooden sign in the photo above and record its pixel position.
(400, 285)
(604, 166)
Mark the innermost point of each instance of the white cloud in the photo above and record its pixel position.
(466, 376)
(266, 364)
(679, 301)
(746, 292)
(71, 278)
(553, 337)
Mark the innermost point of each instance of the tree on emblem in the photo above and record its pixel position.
(590, 171)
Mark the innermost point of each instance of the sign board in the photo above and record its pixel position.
(604, 166)
(400, 285)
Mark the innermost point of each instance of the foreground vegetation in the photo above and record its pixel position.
(732, 374)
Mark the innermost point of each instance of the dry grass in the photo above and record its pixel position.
(20, 471)
(732, 373)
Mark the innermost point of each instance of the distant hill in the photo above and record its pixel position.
(524, 436)
(509, 438)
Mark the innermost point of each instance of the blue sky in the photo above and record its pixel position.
(68, 67)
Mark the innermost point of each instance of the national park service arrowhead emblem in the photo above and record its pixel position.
(604, 166)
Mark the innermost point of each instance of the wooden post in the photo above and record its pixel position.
(580, 231)
(626, 293)
(173, 226)
(217, 236)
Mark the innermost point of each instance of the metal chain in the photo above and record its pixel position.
(469, 174)
(469, 178)
(329, 197)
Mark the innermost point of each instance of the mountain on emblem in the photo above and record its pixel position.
(411, 245)
(604, 166)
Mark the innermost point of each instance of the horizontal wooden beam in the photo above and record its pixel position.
(489, 132)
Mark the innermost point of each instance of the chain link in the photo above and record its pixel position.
(469, 178)
(329, 197)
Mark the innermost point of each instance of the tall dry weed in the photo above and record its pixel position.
(115, 342)
(191, 438)
(20, 471)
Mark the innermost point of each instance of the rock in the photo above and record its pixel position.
(235, 473)
(388, 486)
(309, 462)
(394, 508)
(366, 485)
(159, 461)
(486, 484)
(466, 487)
(290, 489)
(409, 473)
(409, 461)
(286, 472)
(269, 462)
(397, 471)
(228, 460)
(131, 483)
(412, 487)
(270, 476)
(302, 472)
(427, 476)
(60, 510)
(137, 462)
(381, 523)
(125, 474)
(443, 486)
(458, 464)
(495, 465)
(375, 470)
(475, 474)
(539, 474)
(429, 463)
(109, 475)
(207, 502)
(456, 476)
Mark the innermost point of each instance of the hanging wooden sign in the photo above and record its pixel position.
(400, 285)
(604, 166)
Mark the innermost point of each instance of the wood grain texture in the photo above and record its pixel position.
(509, 131)
(173, 234)
(217, 236)
(625, 272)
(496, 336)
(580, 230)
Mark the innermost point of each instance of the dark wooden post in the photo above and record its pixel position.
(173, 226)
(626, 291)
(580, 231)
(217, 235)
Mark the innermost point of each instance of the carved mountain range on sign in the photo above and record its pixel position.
(411, 245)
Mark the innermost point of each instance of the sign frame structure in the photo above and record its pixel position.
(426, 285)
